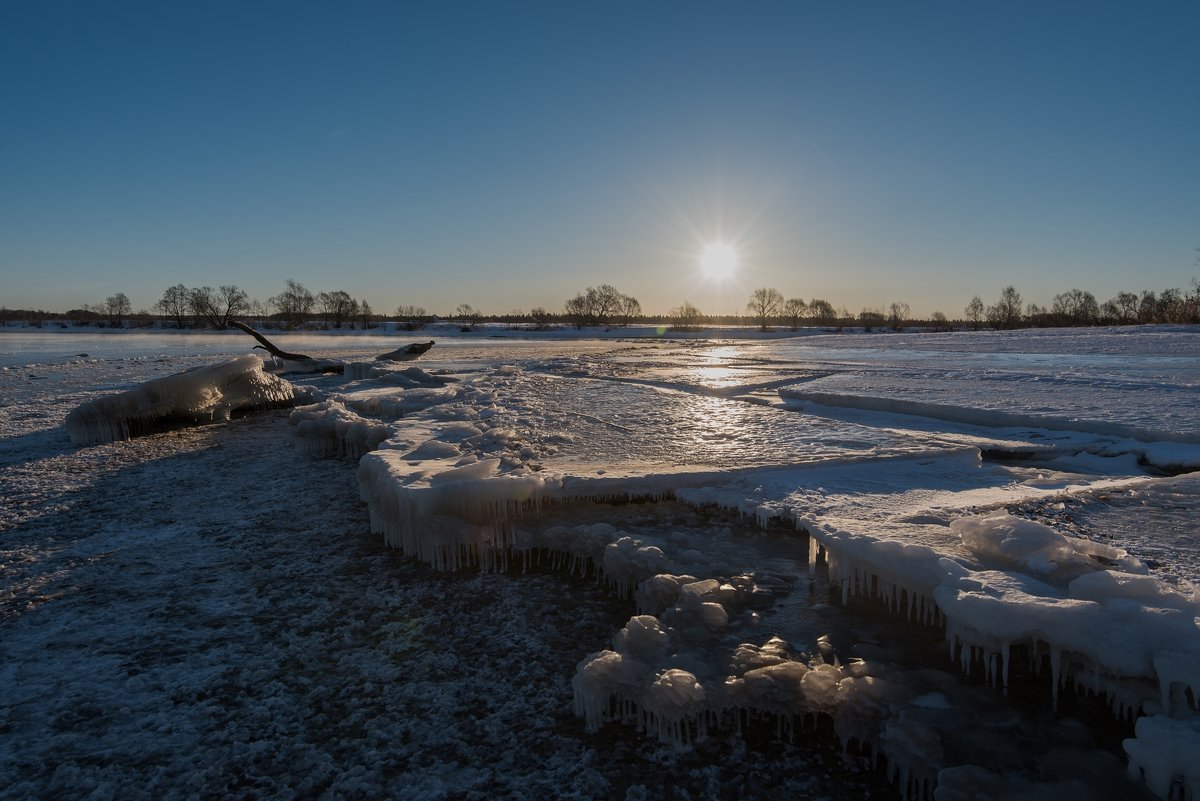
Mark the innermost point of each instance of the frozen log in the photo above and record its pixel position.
(295, 362)
(269, 346)
(305, 363)
(202, 395)
(406, 353)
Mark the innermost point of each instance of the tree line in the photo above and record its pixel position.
(294, 306)
(1077, 307)
(605, 306)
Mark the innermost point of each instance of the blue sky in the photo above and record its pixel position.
(508, 155)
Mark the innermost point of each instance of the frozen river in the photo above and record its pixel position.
(790, 536)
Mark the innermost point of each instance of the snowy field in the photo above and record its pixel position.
(840, 566)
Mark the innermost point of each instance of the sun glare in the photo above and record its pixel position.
(719, 260)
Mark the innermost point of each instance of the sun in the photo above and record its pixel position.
(719, 260)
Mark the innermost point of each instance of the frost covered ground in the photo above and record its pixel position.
(205, 611)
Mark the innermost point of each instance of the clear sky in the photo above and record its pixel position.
(508, 155)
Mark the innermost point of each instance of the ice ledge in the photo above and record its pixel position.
(1122, 634)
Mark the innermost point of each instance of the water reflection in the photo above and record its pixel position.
(717, 376)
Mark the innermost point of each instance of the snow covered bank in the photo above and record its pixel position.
(202, 395)
(671, 474)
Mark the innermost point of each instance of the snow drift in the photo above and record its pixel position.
(202, 395)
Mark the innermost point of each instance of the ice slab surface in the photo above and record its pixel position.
(582, 428)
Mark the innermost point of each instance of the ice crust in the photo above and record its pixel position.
(472, 469)
(992, 418)
(481, 467)
(1141, 378)
(201, 395)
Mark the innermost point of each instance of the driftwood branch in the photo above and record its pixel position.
(269, 346)
(405, 353)
(413, 351)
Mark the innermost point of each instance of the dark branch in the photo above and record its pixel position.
(270, 346)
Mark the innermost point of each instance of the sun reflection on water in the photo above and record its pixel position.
(719, 367)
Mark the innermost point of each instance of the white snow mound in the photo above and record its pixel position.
(202, 395)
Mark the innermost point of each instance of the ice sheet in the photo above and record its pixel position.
(514, 455)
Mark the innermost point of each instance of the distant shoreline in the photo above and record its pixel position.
(488, 330)
(447, 331)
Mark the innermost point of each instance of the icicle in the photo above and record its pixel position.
(1055, 673)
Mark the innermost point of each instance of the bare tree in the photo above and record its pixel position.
(1075, 307)
(685, 317)
(218, 306)
(1036, 315)
(337, 307)
(117, 307)
(469, 316)
(1172, 307)
(601, 305)
(794, 309)
(202, 303)
(577, 311)
(256, 309)
(938, 322)
(411, 317)
(629, 310)
(606, 301)
(1148, 307)
(295, 303)
(870, 319)
(764, 304)
(366, 315)
(821, 312)
(174, 304)
(1124, 308)
(410, 312)
(1006, 313)
(974, 313)
(898, 315)
(541, 318)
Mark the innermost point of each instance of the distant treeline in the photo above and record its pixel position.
(605, 306)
